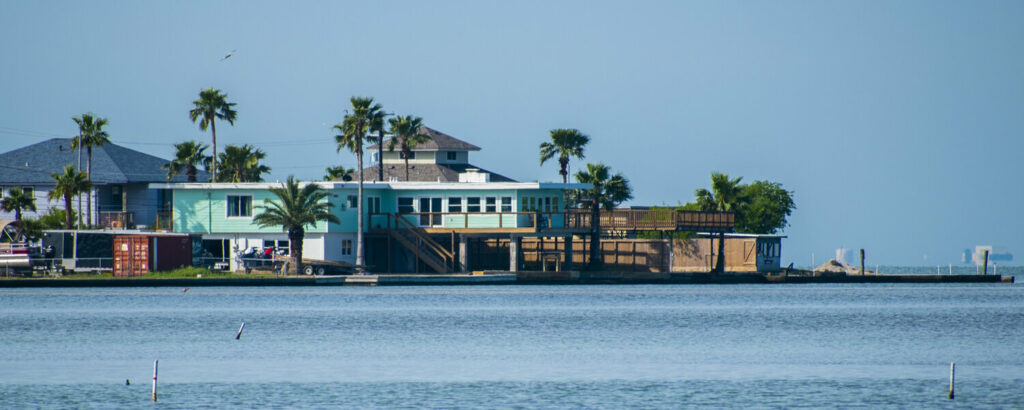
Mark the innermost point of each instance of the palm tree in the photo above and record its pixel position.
(242, 164)
(377, 125)
(407, 136)
(339, 172)
(72, 182)
(18, 200)
(565, 143)
(607, 191)
(726, 195)
(90, 134)
(188, 156)
(296, 208)
(352, 135)
(210, 106)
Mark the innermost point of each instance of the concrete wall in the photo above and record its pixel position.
(697, 255)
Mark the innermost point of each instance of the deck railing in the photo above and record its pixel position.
(117, 219)
(164, 221)
(573, 219)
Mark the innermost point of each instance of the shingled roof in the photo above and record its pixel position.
(111, 164)
(423, 173)
(439, 141)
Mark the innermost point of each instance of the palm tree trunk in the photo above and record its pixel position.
(564, 162)
(359, 209)
(67, 211)
(720, 259)
(380, 155)
(88, 201)
(596, 260)
(213, 128)
(295, 250)
(407, 168)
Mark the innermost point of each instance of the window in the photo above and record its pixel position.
(491, 204)
(531, 204)
(373, 205)
(554, 204)
(239, 206)
(547, 204)
(411, 155)
(506, 204)
(353, 200)
(279, 247)
(473, 204)
(455, 204)
(405, 205)
(452, 155)
(373, 157)
(28, 191)
(346, 247)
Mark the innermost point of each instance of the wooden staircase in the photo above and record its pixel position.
(427, 250)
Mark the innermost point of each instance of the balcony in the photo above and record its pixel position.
(116, 220)
(164, 222)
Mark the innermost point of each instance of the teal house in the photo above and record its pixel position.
(424, 224)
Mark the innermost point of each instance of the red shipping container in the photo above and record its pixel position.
(139, 254)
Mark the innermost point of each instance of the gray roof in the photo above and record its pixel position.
(111, 164)
(424, 173)
(438, 141)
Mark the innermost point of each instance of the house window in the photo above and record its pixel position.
(239, 206)
(547, 204)
(31, 192)
(373, 205)
(411, 155)
(506, 204)
(405, 205)
(452, 155)
(279, 247)
(531, 204)
(491, 204)
(455, 204)
(346, 247)
(374, 158)
(473, 204)
(554, 204)
(353, 200)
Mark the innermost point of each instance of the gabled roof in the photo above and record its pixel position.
(423, 173)
(111, 164)
(439, 141)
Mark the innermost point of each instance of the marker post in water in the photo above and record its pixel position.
(952, 372)
(156, 363)
(239, 335)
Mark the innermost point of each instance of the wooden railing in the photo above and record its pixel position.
(164, 221)
(573, 219)
(438, 257)
(117, 220)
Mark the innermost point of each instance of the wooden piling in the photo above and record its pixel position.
(952, 372)
(862, 261)
(156, 363)
(239, 335)
(984, 269)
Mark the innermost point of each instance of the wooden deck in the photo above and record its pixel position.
(574, 221)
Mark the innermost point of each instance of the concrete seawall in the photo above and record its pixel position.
(505, 278)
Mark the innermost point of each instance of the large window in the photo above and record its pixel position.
(491, 204)
(454, 204)
(473, 204)
(506, 204)
(280, 247)
(411, 155)
(554, 204)
(239, 206)
(405, 205)
(373, 205)
(452, 155)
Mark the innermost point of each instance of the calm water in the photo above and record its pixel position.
(515, 346)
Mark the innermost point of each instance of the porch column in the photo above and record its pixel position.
(567, 242)
(463, 253)
(513, 253)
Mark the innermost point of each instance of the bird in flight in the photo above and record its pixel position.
(228, 55)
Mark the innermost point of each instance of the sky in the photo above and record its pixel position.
(897, 125)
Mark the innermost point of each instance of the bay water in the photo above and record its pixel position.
(599, 346)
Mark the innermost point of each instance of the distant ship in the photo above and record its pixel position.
(995, 254)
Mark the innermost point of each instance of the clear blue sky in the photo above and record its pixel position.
(897, 124)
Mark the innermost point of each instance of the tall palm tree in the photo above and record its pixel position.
(18, 200)
(210, 106)
(242, 164)
(90, 134)
(339, 171)
(296, 208)
(72, 182)
(565, 143)
(377, 125)
(608, 191)
(188, 156)
(407, 136)
(352, 135)
(726, 195)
